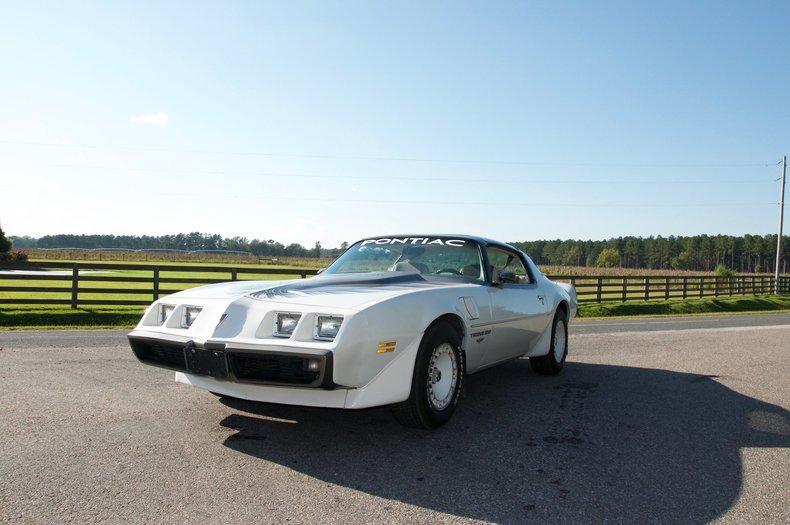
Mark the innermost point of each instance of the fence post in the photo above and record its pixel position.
(716, 286)
(304, 275)
(156, 283)
(685, 286)
(233, 275)
(647, 288)
(743, 285)
(753, 285)
(625, 288)
(75, 277)
(701, 286)
(666, 290)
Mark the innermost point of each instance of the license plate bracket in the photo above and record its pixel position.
(206, 362)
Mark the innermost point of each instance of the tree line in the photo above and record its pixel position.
(747, 253)
(180, 241)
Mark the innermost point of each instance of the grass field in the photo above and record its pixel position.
(164, 273)
(17, 316)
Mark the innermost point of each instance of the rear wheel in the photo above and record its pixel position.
(436, 382)
(552, 363)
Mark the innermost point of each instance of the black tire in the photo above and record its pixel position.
(418, 411)
(548, 364)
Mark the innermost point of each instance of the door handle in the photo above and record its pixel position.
(541, 298)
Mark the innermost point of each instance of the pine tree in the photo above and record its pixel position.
(5, 244)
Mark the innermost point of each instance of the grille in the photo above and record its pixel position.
(170, 355)
(272, 369)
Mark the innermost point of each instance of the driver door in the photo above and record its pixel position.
(519, 310)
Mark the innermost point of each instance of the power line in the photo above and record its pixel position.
(399, 159)
(412, 178)
(328, 200)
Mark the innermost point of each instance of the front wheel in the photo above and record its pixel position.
(437, 380)
(552, 363)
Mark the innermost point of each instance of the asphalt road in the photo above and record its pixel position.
(645, 424)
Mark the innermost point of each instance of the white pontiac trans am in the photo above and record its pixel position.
(396, 320)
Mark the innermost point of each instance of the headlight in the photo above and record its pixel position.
(327, 326)
(164, 312)
(189, 315)
(286, 324)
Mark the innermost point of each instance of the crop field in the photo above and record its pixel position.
(172, 257)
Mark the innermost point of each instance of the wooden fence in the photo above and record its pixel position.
(105, 284)
(665, 287)
(95, 284)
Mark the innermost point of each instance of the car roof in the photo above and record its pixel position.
(480, 240)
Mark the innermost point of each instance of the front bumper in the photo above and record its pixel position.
(262, 371)
(223, 363)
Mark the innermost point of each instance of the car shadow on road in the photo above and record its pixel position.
(596, 443)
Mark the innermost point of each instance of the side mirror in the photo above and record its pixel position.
(506, 277)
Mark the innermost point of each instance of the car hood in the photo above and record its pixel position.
(343, 291)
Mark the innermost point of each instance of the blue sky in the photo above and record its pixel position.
(305, 121)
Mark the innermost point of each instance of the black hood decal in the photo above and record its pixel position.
(345, 283)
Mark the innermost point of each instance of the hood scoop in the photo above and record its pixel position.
(344, 283)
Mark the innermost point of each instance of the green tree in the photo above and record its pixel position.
(608, 258)
(682, 261)
(5, 244)
(573, 256)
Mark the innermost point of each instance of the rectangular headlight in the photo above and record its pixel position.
(164, 312)
(286, 324)
(327, 327)
(189, 315)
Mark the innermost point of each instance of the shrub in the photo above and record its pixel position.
(13, 256)
(608, 258)
(723, 271)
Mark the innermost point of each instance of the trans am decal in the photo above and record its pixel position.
(479, 336)
(416, 240)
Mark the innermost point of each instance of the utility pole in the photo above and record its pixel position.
(781, 222)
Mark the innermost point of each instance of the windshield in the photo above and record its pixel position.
(437, 256)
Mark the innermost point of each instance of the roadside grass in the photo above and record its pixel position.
(46, 317)
(741, 304)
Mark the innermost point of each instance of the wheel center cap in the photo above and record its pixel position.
(436, 376)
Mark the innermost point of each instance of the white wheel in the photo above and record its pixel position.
(560, 339)
(552, 363)
(442, 376)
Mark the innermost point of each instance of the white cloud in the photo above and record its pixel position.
(156, 119)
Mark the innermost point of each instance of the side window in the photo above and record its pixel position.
(507, 261)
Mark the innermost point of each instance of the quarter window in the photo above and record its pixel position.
(507, 261)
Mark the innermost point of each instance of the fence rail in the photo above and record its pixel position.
(99, 284)
(78, 288)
